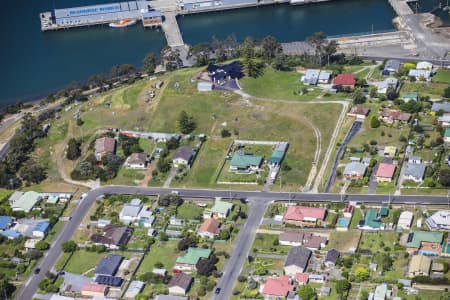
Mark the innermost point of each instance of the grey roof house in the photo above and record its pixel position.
(415, 172)
(391, 67)
(183, 156)
(331, 258)
(109, 265)
(354, 170)
(444, 106)
(297, 260)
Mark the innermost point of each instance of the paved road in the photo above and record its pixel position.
(356, 126)
(258, 202)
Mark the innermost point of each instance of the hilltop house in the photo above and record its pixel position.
(304, 216)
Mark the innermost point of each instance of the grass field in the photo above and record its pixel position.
(278, 85)
(434, 90)
(189, 211)
(264, 243)
(83, 261)
(377, 241)
(344, 240)
(164, 252)
(442, 76)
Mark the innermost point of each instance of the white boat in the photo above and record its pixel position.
(122, 23)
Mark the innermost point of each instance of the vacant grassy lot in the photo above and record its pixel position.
(189, 211)
(164, 252)
(379, 241)
(442, 76)
(344, 240)
(83, 261)
(264, 243)
(432, 89)
(278, 85)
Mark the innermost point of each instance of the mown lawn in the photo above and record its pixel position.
(189, 211)
(83, 261)
(264, 243)
(442, 76)
(432, 89)
(344, 240)
(379, 241)
(164, 252)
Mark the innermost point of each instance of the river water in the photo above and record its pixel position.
(35, 63)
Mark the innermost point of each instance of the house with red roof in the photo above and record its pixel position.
(304, 216)
(278, 287)
(345, 80)
(348, 211)
(385, 172)
(104, 146)
(209, 229)
(302, 278)
(94, 290)
(390, 116)
(358, 112)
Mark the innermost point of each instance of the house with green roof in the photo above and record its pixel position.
(372, 221)
(447, 135)
(188, 262)
(446, 248)
(425, 242)
(410, 96)
(245, 163)
(221, 209)
(384, 211)
(26, 202)
(278, 154)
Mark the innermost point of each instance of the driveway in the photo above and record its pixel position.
(373, 181)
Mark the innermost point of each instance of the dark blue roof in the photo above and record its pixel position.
(109, 280)
(234, 70)
(5, 222)
(109, 265)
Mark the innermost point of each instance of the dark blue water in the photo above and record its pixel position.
(433, 6)
(34, 63)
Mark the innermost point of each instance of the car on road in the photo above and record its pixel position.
(217, 291)
(37, 270)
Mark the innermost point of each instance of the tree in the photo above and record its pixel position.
(384, 261)
(187, 242)
(374, 122)
(252, 68)
(270, 47)
(446, 93)
(361, 274)
(248, 48)
(32, 172)
(69, 246)
(444, 177)
(42, 245)
(172, 143)
(186, 123)
(73, 149)
(342, 286)
(391, 93)
(205, 267)
(80, 122)
(225, 133)
(358, 97)
(170, 199)
(373, 92)
(149, 63)
(306, 292)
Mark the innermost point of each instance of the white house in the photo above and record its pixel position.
(137, 161)
(423, 75)
(424, 65)
(405, 220)
(135, 212)
(383, 86)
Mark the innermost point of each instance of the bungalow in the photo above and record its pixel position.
(94, 290)
(278, 287)
(188, 262)
(5, 222)
(314, 242)
(24, 201)
(441, 106)
(41, 229)
(415, 172)
(136, 213)
(221, 209)
(345, 80)
(304, 216)
(311, 77)
(440, 220)
(390, 116)
(424, 65)
(391, 67)
(134, 289)
(297, 260)
(109, 265)
(425, 242)
(137, 161)
(180, 284)
(419, 266)
(331, 258)
(354, 170)
(209, 229)
(405, 220)
(245, 163)
(372, 221)
(290, 238)
(444, 120)
(409, 96)
(447, 135)
(358, 112)
(183, 156)
(302, 278)
(381, 292)
(385, 172)
(422, 75)
(113, 236)
(384, 85)
(104, 146)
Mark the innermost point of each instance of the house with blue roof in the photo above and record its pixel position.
(10, 234)
(41, 229)
(5, 222)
